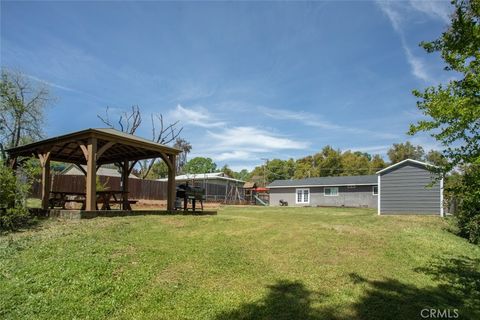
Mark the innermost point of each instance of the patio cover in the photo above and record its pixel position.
(94, 147)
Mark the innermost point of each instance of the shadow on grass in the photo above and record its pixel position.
(458, 289)
(285, 300)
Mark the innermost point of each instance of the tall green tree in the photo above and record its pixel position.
(328, 162)
(354, 163)
(376, 164)
(436, 158)
(453, 109)
(402, 151)
(242, 175)
(226, 170)
(200, 165)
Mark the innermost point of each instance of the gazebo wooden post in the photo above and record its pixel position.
(171, 186)
(91, 196)
(125, 174)
(46, 185)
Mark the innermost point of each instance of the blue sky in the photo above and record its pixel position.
(247, 80)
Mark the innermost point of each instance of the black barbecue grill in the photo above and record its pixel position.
(189, 194)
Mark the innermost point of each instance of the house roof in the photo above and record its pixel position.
(102, 171)
(66, 148)
(326, 181)
(203, 176)
(424, 164)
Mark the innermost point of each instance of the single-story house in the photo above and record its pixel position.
(348, 191)
(107, 171)
(407, 187)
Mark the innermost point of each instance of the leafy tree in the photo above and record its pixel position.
(354, 163)
(437, 158)
(305, 168)
(376, 164)
(226, 170)
(186, 147)
(22, 107)
(402, 151)
(159, 170)
(280, 169)
(328, 162)
(242, 175)
(453, 109)
(200, 165)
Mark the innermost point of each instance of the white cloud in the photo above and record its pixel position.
(397, 13)
(435, 9)
(417, 64)
(196, 116)
(314, 120)
(234, 155)
(253, 140)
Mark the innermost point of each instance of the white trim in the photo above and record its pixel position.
(373, 191)
(407, 160)
(378, 196)
(322, 185)
(331, 195)
(303, 196)
(442, 213)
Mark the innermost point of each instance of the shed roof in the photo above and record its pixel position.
(393, 166)
(66, 147)
(326, 181)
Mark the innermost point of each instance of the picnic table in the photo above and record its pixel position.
(106, 197)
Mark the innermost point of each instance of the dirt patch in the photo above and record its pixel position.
(162, 204)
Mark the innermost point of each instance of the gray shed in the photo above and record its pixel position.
(410, 187)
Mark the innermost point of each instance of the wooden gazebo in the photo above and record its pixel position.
(93, 148)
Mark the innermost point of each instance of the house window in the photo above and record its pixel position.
(332, 191)
(303, 196)
(375, 190)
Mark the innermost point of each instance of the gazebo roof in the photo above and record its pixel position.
(117, 146)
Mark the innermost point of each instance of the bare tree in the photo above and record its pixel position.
(130, 121)
(21, 109)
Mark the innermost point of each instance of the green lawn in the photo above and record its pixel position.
(244, 263)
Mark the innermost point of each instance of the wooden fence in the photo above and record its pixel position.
(138, 188)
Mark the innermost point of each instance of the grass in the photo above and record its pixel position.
(245, 263)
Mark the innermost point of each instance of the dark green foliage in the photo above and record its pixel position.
(200, 165)
(453, 109)
(468, 215)
(402, 151)
(13, 193)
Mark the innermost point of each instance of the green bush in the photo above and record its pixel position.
(14, 190)
(468, 214)
(14, 218)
